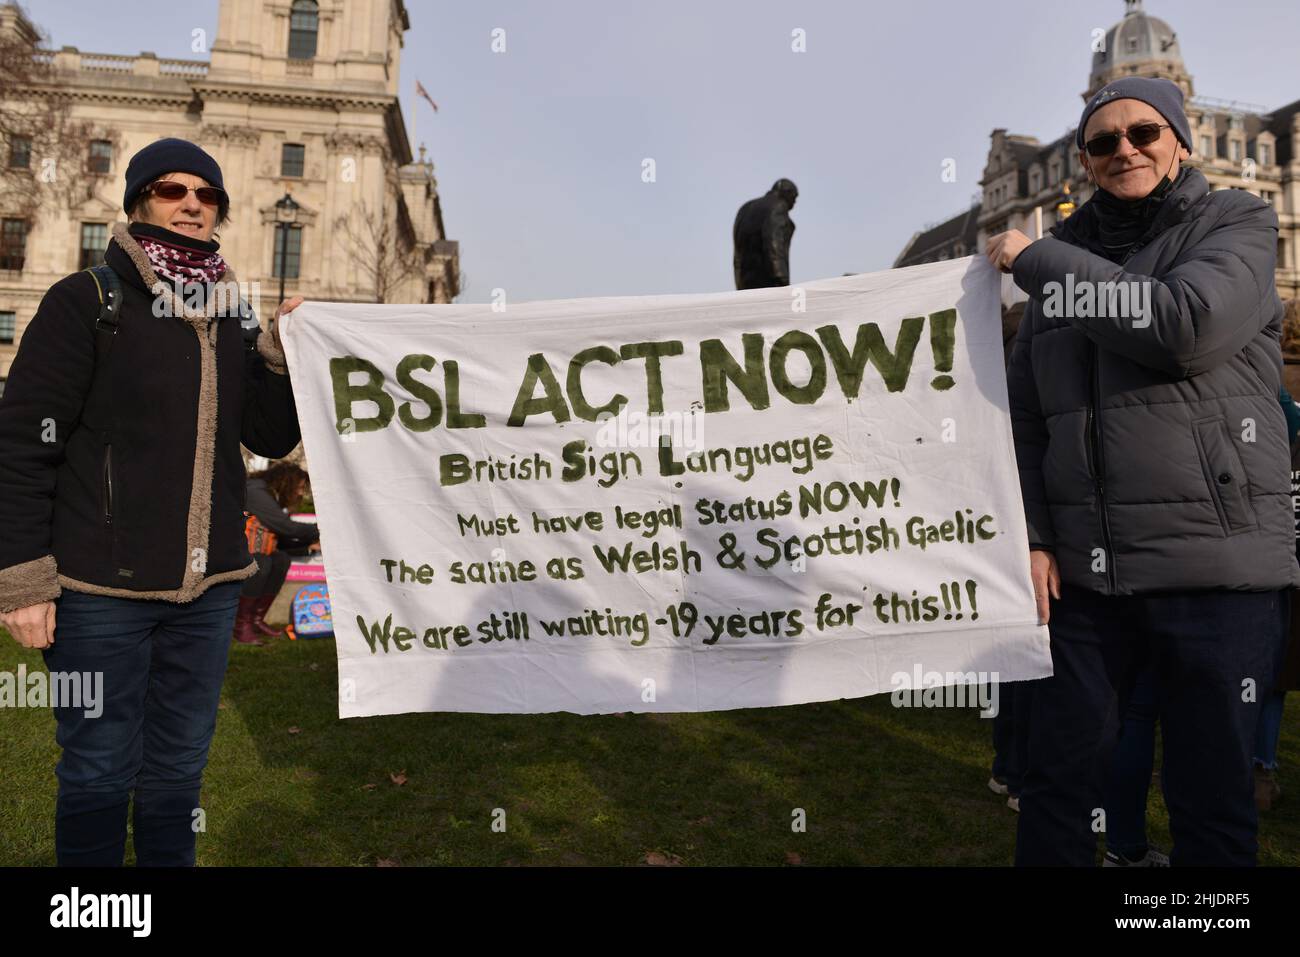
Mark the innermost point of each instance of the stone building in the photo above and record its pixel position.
(1236, 146)
(296, 97)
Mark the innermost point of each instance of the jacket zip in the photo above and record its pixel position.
(1099, 465)
(1098, 462)
(108, 485)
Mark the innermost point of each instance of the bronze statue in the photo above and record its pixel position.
(761, 237)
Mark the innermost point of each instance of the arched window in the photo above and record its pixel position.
(303, 19)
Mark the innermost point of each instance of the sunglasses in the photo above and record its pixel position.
(1143, 134)
(171, 191)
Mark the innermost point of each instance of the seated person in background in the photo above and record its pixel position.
(272, 536)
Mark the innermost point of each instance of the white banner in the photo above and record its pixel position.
(668, 503)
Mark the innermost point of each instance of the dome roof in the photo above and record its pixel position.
(1137, 39)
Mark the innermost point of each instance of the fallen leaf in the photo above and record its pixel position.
(659, 859)
(221, 706)
(386, 862)
(294, 729)
(313, 667)
(399, 778)
(369, 787)
(792, 858)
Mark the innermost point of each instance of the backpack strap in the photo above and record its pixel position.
(109, 287)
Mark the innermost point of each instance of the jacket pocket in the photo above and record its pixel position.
(1224, 474)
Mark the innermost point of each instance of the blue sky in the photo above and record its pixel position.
(539, 149)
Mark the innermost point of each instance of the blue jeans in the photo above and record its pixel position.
(1269, 730)
(163, 664)
(1129, 780)
(1203, 647)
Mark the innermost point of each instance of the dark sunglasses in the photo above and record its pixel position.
(171, 191)
(1144, 134)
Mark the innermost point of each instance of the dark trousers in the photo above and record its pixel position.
(1011, 733)
(272, 570)
(1215, 654)
(1129, 780)
(163, 665)
(1004, 731)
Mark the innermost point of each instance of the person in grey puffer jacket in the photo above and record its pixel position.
(1154, 469)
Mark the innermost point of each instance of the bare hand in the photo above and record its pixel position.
(1003, 248)
(31, 627)
(289, 305)
(1047, 580)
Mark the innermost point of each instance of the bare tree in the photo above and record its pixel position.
(382, 243)
(43, 149)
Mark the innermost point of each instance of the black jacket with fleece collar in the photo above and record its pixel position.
(127, 479)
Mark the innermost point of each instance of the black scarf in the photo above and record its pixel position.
(171, 236)
(1120, 223)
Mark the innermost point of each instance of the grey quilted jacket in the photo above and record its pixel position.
(1151, 445)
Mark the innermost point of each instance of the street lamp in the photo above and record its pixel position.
(1066, 206)
(286, 214)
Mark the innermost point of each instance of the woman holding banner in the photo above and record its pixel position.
(121, 492)
(1154, 467)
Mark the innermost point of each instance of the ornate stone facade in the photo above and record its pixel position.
(1236, 146)
(317, 77)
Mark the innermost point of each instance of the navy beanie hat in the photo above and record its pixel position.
(1164, 95)
(168, 156)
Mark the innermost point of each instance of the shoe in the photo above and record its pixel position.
(245, 632)
(1154, 857)
(261, 606)
(1013, 802)
(998, 785)
(1267, 791)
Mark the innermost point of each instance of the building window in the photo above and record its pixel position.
(293, 250)
(94, 239)
(1207, 146)
(1035, 181)
(1264, 157)
(291, 159)
(302, 30)
(1266, 196)
(1234, 150)
(13, 243)
(100, 158)
(8, 327)
(20, 152)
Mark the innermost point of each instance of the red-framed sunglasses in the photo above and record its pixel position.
(172, 191)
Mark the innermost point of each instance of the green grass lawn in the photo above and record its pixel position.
(288, 783)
